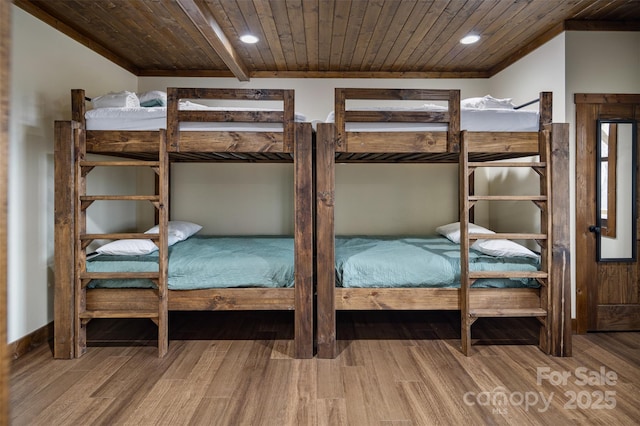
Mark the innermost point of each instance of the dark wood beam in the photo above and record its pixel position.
(202, 18)
(583, 25)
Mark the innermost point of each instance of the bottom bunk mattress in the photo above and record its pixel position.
(202, 262)
(376, 262)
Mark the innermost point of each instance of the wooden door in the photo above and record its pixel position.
(608, 293)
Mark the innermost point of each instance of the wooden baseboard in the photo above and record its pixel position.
(31, 341)
(574, 325)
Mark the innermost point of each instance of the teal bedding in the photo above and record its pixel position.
(377, 262)
(208, 262)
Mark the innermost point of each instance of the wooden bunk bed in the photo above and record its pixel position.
(76, 303)
(550, 303)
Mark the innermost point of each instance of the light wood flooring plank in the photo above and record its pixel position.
(391, 369)
(331, 412)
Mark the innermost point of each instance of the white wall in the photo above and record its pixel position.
(542, 70)
(380, 199)
(45, 65)
(596, 62)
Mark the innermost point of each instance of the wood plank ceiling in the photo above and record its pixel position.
(324, 38)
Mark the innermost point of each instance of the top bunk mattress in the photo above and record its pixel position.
(474, 120)
(154, 118)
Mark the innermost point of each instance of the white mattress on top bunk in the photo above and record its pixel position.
(478, 120)
(154, 118)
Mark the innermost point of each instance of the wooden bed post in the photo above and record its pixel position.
(64, 237)
(163, 258)
(173, 124)
(465, 282)
(325, 244)
(289, 125)
(453, 133)
(560, 304)
(78, 107)
(546, 109)
(303, 240)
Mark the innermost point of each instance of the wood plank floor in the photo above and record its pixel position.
(393, 368)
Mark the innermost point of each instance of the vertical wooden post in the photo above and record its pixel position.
(5, 44)
(64, 232)
(78, 107)
(289, 122)
(80, 228)
(303, 240)
(463, 181)
(173, 125)
(339, 113)
(560, 307)
(325, 245)
(453, 132)
(546, 262)
(163, 261)
(546, 109)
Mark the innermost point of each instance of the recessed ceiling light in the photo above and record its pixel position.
(249, 39)
(470, 39)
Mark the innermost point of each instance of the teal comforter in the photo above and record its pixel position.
(209, 262)
(418, 262)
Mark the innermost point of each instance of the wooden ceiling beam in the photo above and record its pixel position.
(202, 18)
(584, 25)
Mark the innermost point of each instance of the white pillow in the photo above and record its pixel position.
(473, 103)
(503, 248)
(172, 239)
(499, 248)
(128, 247)
(153, 98)
(178, 228)
(124, 99)
(452, 231)
(491, 102)
(178, 232)
(487, 102)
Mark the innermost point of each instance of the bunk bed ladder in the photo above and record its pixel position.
(475, 307)
(133, 303)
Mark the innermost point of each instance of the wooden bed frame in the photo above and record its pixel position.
(75, 305)
(550, 303)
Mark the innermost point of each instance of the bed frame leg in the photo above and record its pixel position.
(303, 240)
(64, 294)
(559, 318)
(325, 244)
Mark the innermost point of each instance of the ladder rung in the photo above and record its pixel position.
(507, 274)
(508, 236)
(507, 198)
(119, 275)
(507, 164)
(119, 198)
(520, 312)
(119, 163)
(127, 236)
(117, 314)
